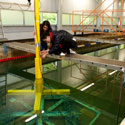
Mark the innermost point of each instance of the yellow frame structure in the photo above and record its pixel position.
(39, 91)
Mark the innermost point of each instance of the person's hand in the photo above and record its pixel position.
(44, 53)
(44, 56)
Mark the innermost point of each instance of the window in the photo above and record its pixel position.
(51, 17)
(65, 19)
(76, 19)
(29, 18)
(10, 17)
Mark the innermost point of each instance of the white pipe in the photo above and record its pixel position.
(90, 85)
(32, 117)
(111, 73)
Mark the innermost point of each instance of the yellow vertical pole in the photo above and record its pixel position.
(38, 60)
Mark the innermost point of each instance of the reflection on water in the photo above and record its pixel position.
(12, 103)
(103, 95)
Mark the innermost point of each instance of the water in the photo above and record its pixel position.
(103, 95)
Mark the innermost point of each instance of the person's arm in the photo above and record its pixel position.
(55, 45)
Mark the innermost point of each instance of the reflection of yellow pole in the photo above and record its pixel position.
(38, 61)
(38, 95)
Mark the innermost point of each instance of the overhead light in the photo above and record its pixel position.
(83, 89)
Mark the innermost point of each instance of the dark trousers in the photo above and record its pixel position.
(68, 44)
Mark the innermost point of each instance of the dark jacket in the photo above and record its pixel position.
(61, 42)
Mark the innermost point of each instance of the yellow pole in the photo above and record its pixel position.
(38, 60)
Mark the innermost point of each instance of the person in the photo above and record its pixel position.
(45, 27)
(60, 41)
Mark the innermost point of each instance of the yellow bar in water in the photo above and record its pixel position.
(56, 92)
(21, 92)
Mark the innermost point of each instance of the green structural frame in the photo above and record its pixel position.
(69, 112)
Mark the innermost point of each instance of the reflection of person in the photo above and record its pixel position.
(60, 41)
(45, 28)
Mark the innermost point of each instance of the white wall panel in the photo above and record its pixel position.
(15, 1)
(108, 4)
(69, 5)
(51, 5)
(12, 17)
(48, 5)
(45, 5)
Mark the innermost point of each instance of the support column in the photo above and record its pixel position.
(59, 71)
(59, 14)
(95, 68)
(96, 53)
(117, 49)
(120, 95)
(98, 21)
(113, 12)
(120, 6)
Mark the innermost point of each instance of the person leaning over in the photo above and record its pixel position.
(60, 41)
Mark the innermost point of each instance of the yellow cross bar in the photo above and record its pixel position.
(21, 92)
(38, 95)
(45, 92)
(56, 92)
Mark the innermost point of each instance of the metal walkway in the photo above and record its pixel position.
(89, 60)
(112, 41)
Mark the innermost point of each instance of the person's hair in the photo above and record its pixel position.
(44, 36)
(47, 23)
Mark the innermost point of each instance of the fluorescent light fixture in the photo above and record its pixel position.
(83, 89)
(111, 73)
(32, 117)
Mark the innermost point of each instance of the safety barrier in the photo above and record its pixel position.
(17, 57)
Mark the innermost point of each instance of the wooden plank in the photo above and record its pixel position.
(100, 40)
(21, 46)
(94, 61)
(89, 60)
